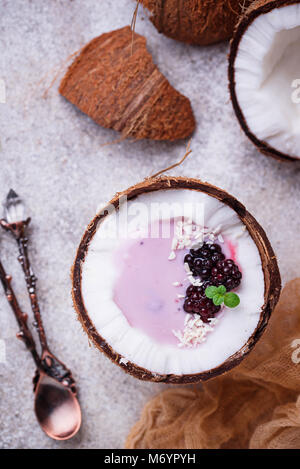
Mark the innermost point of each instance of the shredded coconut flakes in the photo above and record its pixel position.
(172, 256)
(187, 234)
(195, 331)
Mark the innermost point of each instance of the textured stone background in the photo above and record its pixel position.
(54, 157)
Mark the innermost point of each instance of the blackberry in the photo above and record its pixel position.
(202, 260)
(226, 273)
(197, 303)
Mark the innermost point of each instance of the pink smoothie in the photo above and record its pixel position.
(145, 290)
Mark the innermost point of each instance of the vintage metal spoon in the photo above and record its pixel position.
(56, 404)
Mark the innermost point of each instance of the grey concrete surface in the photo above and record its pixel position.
(54, 157)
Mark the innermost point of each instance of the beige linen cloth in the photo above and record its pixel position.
(256, 405)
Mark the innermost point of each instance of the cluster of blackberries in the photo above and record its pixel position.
(208, 263)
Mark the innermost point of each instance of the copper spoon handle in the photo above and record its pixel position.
(18, 230)
(50, 364)
(31, 288)
(24, 333)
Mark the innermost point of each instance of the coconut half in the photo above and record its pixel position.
(94, 276)
(200, 22)
(264, 76)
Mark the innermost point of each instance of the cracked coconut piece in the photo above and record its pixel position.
(118, 85)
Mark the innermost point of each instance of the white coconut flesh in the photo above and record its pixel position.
(100, 274)
(267, 76)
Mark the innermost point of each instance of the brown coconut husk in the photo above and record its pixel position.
(200, 22)
(269, 265)
(115, 82)
(258, 8)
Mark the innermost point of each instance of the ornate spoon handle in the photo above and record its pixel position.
(16, 223)
(24, 333)
(18, 230)
(50, 364)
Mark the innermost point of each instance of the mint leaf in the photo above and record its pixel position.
(222, 290)
(218, 295)
(218, 299)
(231, 300)
(211, 291)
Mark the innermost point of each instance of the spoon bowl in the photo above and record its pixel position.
(57, 408)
